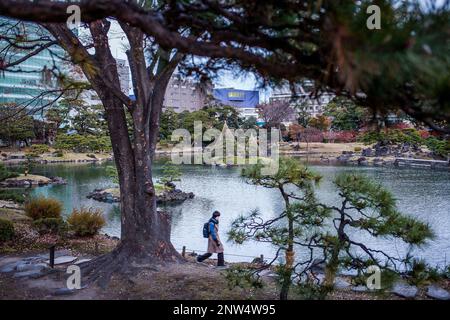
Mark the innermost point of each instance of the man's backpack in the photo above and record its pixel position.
(206, 230)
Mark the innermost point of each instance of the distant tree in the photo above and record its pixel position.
(18, 128)
(6, 173)
(249, 123)
(225, 114)
(295, 131)
(58, 114)
(89, 120)
(303, 113)
(289, 228)
(346, 114)
(169, 122)
(170, 174)
(273, 113)
(320, 122)
(187, 120)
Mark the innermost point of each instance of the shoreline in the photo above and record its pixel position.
(317, 153)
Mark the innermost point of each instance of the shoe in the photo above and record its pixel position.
(224, 267)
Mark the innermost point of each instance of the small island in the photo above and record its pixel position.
(30, 180)
(164, 195)
(166, 191)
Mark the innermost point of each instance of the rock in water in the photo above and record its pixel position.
(438, 293)
(404, 290)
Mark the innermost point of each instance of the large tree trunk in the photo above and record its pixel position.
(145, 232)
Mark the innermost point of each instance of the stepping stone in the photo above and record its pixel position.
(63, 260)
(11, 267)
(438, 293)
(63, 292)
(61, 253)
(341, 283)
(360, 288)
(28, 267)
(26, 274)
(404, 290)
(82, 261)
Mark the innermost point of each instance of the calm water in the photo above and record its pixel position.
(421, 193)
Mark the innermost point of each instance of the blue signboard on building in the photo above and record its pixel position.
(237, 98)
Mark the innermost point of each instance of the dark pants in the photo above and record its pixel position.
(220, 258)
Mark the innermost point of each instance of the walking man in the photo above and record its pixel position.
(214, 244)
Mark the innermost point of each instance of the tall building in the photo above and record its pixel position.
(124, 75)
(243, 100)
(29, 83)
(90, 97)
(185, 94)
(302, 96)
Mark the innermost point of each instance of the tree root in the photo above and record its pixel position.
(124, 261)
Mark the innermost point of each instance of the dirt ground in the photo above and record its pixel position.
(187, 280)
(181, 281)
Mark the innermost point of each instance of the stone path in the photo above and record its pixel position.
(38, 265)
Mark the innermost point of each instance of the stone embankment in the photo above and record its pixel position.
(30, 180)
(174, 196)
(402, 155)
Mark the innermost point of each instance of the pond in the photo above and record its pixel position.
(420, 193)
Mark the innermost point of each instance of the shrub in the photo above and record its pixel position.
(41, 208)
(311, 291)
(6, 230)
(5, 173)
(86, 221)
(50, 225)
(440, 148)
(39, 148)
(14, 196)
(421, 273)
(79, 143)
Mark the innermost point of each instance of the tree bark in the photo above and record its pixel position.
(145, 232)
(286, 281)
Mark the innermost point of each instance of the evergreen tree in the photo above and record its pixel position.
(298, 221)
(17, 125)
(366, 207)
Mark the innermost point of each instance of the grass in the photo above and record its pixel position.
(86, 221)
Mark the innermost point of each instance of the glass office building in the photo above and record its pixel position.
(31, 83)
